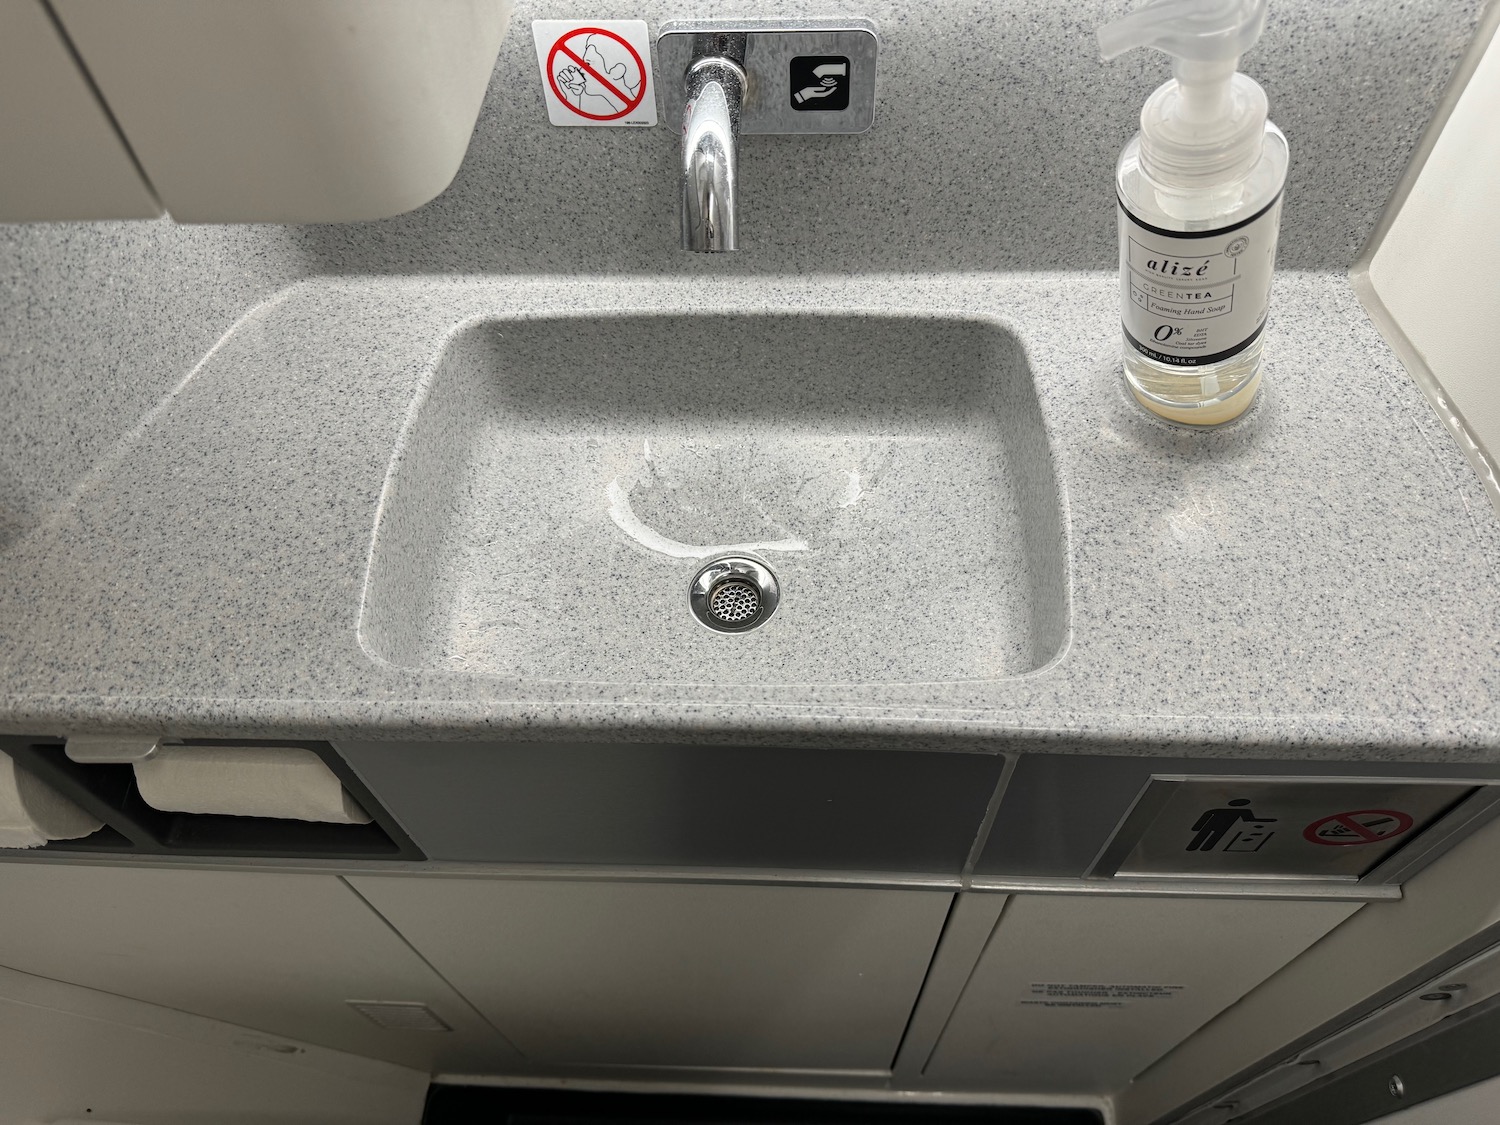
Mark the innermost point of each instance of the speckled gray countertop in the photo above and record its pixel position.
(1316, 580)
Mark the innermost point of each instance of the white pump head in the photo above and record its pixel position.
(1209, 121)
(1203, 30)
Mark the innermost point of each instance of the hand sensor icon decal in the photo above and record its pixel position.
(820, 82)
(828, 76)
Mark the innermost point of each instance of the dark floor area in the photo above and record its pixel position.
(461, 1105)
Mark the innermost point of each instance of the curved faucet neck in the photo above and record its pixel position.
(715, 89)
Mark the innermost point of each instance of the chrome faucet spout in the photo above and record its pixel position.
(715, 89)
(724, 77)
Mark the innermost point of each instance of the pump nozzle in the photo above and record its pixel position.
(1209, 121)
(1197, 30)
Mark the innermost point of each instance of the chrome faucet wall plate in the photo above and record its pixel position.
(803, 76)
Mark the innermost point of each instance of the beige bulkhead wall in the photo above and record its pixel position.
(1429, 278)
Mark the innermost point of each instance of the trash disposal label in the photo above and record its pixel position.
(1195, 298)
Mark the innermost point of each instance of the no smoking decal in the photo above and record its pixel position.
(1362, 826)
(596, 72)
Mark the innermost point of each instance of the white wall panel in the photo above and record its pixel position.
(292, 110)
(60, 158)
(1435, 269)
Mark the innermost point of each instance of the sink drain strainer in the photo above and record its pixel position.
(732, 595)
(734, 602)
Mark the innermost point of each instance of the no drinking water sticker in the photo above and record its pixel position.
(1362, 826)
(595, 72)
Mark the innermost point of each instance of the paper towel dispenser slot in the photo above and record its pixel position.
(103, 781)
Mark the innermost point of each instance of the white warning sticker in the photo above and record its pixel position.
(596, 72)
(1088, 994)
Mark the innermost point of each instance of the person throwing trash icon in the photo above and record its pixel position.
(1214, 823)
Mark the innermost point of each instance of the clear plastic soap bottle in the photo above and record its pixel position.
(1200, 207)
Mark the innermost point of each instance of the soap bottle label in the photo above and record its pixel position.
(1191, 298)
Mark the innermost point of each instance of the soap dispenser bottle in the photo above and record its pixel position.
(1200, 207)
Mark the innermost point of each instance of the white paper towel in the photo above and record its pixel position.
(278, 781)
(32, 812)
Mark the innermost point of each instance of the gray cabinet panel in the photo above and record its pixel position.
(685, 806)
(676, 974)
(1079, 994)
(279, 953)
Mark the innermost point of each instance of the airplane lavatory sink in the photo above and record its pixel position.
(562, 481)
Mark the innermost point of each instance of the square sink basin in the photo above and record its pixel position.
(562, 481)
